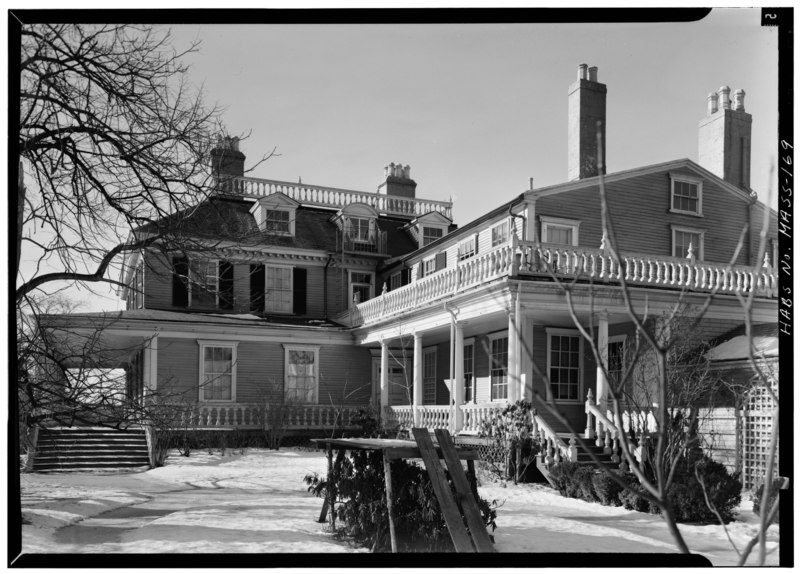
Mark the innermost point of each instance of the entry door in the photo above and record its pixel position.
(400, 387)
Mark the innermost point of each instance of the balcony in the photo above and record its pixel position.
(375, 244)
(535, 261)
(335, 198)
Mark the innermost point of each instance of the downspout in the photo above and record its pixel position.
(452, 418)
(325, 287)
(524, 222)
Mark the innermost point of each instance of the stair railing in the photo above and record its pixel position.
(605, 433)
(553, 448)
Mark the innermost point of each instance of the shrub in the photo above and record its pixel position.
(773, 495)
(561, 477)
(361, 505)
(607, 489)
(512, 450)
(582, 477)
(686, 495)
(631, 497)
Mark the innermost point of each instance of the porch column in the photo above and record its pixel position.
(417, 377)
(513, 356)
(458, 379)
(151, 364)
(384, 377)
(602, 345)
(526, 344)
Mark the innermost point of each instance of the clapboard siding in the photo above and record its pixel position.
(640, 211)
(345, 374)
(157, 282)
(718, 434)
(178, 367)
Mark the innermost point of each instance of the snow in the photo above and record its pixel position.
(256, 502)
(738, 347)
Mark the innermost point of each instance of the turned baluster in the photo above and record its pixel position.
(573, 450)
(615, 448)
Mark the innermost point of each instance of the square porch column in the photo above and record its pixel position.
(417, 377)
(151, 365)
(513, 358)
(526, 362)
(384, 377)
(457, 423)
(602, 346)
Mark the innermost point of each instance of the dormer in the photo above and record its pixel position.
(360, 232)
(275, 214)
(427, 228)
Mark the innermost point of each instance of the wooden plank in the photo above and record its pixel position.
(395, 453)
(452, 516)
(325, 504)
(468, 501)
(387, 473)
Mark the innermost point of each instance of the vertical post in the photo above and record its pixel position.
(151, 364)
(417, 377)
(384, 378)
(602, 345)
(526, 383)
(458, 383)
(331, 486)
(513, 355)
(387, 473)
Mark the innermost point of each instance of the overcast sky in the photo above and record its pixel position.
(475, 109)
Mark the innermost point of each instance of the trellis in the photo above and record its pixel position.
(757, 424)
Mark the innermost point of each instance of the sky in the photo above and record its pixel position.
(476, 110)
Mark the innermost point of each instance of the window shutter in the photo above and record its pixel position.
(299, 275)
(441, 260)
(477, 236)
(180, 274)
(257, 286)
(405, 276)
(420, 271)
(225, 270)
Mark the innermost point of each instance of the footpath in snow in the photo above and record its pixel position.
(257, 503)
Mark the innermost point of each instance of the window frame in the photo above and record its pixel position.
(500, 238)
(192, 281)
(546, 222)
(289, 221)
(471, 344)
(267, 308)
(492, 338)
(427, 239)
(203, 344)
(467, 248)
(427, 352)
(676, 178)
(561, 332)
(355, 229)
(287, 348)
(699, 252)
(351, 284)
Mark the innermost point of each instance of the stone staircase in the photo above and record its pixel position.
(89, 448)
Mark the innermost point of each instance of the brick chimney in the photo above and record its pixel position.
(226, 159)
(398, 181)
(724, 142)
(587, 107)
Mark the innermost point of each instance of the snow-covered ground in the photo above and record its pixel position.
(258, 503)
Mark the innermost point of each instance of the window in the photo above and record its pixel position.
(277, 221)
(278, 290)
(203, 277)
(429, 376)
(217, 371)
(499, 368)
(564, 364)
(431, 234)
(559, 231)
(469, 372)
(359, 228)
(395, 281)
(616, 359)
(360, 287)
(429, 266)
(687, 196)
(500, 234)
(301, 373)
(682, 237)
(468, 248)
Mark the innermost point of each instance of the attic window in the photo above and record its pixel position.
(431, 234)
(278, 221)
(360, 229)
(686, 195)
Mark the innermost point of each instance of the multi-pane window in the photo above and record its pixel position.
(469, 373)
(499, 368)
(217, 371)
(558, 234)
(431, 234)
(500, 234)
(278, 290)
(564, 366)
(359, 228)
(301, 374)
(682, 238)
(360, 286)
(559, 230)
(203, 277)
(395, 281)
(277, 221)
(429, 266)
(429, 376)
(686, 196)
(467, 249)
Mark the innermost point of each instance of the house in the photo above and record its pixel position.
(328, 299)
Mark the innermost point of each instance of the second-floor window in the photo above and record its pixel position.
(687, 196)
(682, 237)
(277, 221)
(559, 231)
(500, 234)
(360, 287)
(278, 290)
(202, 283)
(468, 248)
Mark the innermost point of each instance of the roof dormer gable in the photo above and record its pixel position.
(427, 228)
(275, 213)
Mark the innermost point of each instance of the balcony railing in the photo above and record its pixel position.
(376, 244)
(251, 415)
(337, 198)
(525, 258)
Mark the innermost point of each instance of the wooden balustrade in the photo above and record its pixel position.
(333, 197)
(554, 449)
(434, 416)
(401, 416)
(475, 414)
(251, 415)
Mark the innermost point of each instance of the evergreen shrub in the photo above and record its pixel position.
(773, 494)
(606, 488)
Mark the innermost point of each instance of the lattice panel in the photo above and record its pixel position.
(756, 433)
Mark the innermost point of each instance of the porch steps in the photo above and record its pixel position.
(89, 448)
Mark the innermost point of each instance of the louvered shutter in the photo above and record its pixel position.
(405, 276)
(420, 271)
(441, 260)
(180, 274)
(257, 286)
(299, 276)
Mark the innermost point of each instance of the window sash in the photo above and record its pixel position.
(681, 240)
(203, 282)
(469, 373)
(361, 286)
(466, 249)
(431, 234)
(564, 367)
(429, 377)
(500, 234)
(559, 234)
(277, 220)
(301, 375)
(685, 196)
(360, 229)
(499, 368)
(278, 290)
(217, 373)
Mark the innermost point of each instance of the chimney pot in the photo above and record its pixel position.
(738, 100)
(713, 103)
(407, 172)
(582, 71)
(593, 74)
(725, 97)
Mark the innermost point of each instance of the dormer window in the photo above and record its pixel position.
(360, 229)
(431, 234)
(275, 214)
(428, 228)
(358, 223)
(559, 231)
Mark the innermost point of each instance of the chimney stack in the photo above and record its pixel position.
(587, 107)
(724, 138)
(227, 161)
(397, 181)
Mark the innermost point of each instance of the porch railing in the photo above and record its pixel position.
(531, 259)
(251, 415)
(475, 414)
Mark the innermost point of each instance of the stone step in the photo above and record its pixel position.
(85, 448)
